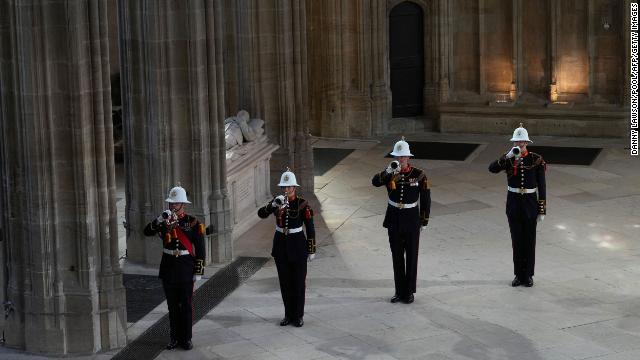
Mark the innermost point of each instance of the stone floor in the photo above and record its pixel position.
(585, 303)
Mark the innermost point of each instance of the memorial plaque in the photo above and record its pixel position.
(244, 195)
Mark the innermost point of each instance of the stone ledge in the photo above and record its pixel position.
(580, 121)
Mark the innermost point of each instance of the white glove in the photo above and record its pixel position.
(540, 218)
(164, 216)
(197, 277)
(393, 167)
(279, 198)
(510, 154)
(423, 227)
(311, 257)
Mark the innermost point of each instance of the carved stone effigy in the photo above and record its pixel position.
(248, 171)
(241, 128)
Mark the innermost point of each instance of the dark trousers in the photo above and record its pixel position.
(292, 276)
(523, 242)
(404, 249)
(180, 309)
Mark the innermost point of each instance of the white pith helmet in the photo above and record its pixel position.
(288, 178)
(520, 134)
(178, 195)
(401, 148)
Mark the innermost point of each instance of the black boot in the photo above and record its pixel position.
(516, 282)
(172, 344)
(285, 321)
(187, 345)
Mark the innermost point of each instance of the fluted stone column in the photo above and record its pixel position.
(444, 46)
(173, 113)
(59, 226)
(380, 87)
(270, 78)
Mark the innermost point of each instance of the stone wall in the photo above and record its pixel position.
(541, 54)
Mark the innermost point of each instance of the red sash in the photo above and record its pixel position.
(184, 240)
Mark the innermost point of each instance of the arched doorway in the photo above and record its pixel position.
(406, 57)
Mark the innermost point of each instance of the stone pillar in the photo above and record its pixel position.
(379, 57)
(444, 22)
(591, 48)
(482, 10)
(518, 61)
(272, 80)
(59, 228)
(173, 113)
(553, 49)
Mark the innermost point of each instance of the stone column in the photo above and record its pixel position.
(518, 58)
(60, 233)
(482, 88)
(173, 113)
(379, 57)
(272, 47)
(591, 47)
(444, 24)
(553, 49)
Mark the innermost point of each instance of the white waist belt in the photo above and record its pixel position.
(403, 206)
(288, 231)
(521, 190)
(175, 252)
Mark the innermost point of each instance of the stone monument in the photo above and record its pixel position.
(248, 172)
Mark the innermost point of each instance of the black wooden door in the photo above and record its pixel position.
(406, 55)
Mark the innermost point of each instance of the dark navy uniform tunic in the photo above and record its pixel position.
(290, 251)
(403, 224)
(177, 272)
(522, 209)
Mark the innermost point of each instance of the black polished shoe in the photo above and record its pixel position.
(172, 344)
(396, 298)
(285, 322)
(298, 323)
(516, 282)
(187, 345)
(529, 282)
(408, 299)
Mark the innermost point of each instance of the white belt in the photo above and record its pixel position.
(403, 206)
(175, 252)
(288, 231)
(522, 190)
